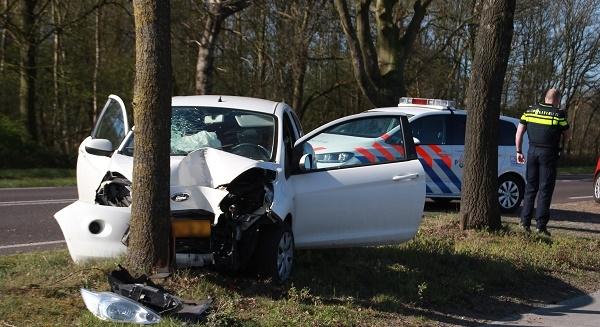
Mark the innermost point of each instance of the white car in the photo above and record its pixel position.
(439, 131)
(245, 187)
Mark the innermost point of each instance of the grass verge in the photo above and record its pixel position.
(36, 177)
(576, 170)
(444, 276)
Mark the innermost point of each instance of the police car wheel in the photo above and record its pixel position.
(597, 189)
(510, 193)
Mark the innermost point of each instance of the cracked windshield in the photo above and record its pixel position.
(245, 133)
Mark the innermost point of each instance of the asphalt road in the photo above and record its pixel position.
(26, 218)
(27, 223)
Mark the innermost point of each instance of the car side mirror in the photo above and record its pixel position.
(416, 141)
(306, 162)
(99, 147)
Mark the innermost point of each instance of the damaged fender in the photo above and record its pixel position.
(204, 179)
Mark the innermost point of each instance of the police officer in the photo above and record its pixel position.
(545, 124)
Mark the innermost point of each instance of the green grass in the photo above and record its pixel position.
(576, 170)
(442, 275)
(36, 177)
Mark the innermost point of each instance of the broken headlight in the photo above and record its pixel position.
(113, 307)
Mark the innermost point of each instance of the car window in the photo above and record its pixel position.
(111, 125)
(245, 133)
(288, 143)
(354, 144)
(507, 133)
(456, 135)
(458, 125)
(430, 129)
(372, 127)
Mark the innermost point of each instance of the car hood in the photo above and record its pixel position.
(204, 167)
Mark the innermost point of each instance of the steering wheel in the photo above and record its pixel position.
(252, 151)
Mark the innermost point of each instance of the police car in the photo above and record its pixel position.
(438, 128)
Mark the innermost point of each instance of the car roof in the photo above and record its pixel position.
(409, 110)
(226, 101)
(414, 111)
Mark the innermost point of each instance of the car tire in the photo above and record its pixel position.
(597, 188)
(275, 252)
(510, 193)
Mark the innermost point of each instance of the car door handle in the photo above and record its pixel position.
(405, 177)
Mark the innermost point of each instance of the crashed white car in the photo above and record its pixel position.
(246, 186)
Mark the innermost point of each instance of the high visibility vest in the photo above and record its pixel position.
(545, 125)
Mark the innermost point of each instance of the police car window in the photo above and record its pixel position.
(507, 133)
(372, 127)
(354, 144)
(456, 131)
(430, 129)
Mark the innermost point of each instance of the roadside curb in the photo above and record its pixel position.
(579, 311)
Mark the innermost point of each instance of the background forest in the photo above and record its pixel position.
(60, 59)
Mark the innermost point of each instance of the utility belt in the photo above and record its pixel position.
(542, 145)
(547, 147)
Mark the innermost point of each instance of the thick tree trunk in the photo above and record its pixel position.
(479, 201)
(28, 69)
(150, 209)
(379, 69)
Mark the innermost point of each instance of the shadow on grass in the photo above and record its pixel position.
(421, 278)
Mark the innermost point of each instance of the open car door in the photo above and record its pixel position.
(364, 185)
(95, 152)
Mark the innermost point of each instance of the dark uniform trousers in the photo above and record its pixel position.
(541, 177)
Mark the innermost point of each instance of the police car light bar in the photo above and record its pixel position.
(427, 102)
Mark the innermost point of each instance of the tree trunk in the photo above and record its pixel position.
(150, 209)
(379, 69)
(27, 68)
(218, 11)
(3, 36)
(479, 201)
(57, 125)
(96, 65)
(206, 54)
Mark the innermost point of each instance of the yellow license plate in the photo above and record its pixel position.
(190, 228)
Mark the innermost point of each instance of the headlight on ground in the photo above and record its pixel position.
(113, 307)
(334, 157)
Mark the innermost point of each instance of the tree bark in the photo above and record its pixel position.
(3, 35)
(96, 65)
(479, 200)
(150, 209)
(27, 67)
(218, 11)
(379, 69)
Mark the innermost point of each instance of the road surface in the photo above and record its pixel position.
(27, 223)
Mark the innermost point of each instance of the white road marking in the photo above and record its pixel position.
(36, 202)
(32, 188)
(2, 247)
(581, 197)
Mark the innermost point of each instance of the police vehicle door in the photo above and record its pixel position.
(436, 155)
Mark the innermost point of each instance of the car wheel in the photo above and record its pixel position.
(597, 189)
(275, 252)
(510, 193)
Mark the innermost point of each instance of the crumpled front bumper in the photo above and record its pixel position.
(93, 231)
